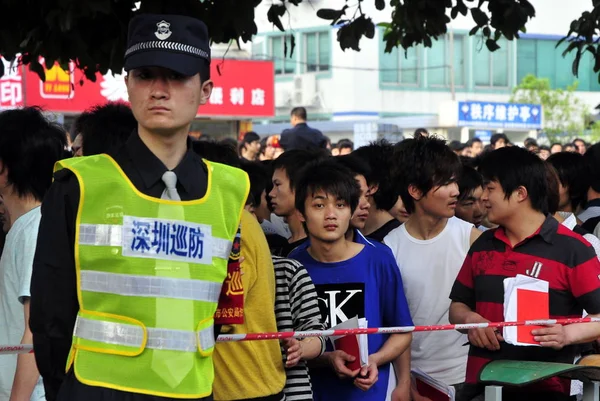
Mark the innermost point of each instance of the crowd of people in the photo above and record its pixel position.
(130, 251)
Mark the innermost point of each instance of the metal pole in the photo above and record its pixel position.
(493, 393)
(452, 88)
(591, 391)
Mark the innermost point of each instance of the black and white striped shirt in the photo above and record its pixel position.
(296, 309)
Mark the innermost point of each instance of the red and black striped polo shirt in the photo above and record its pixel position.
(561, 257)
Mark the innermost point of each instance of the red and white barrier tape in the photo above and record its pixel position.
(393, 330)
(26, 348)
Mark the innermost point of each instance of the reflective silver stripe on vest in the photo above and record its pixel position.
(150, 286)
(133, 336)
(112, 235)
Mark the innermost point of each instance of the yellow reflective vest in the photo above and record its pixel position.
(149, 275)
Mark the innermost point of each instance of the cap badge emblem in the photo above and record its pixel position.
(163, 31)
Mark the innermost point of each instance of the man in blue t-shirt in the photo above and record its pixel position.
(352, 280)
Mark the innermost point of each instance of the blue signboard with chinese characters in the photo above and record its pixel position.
(499, 115)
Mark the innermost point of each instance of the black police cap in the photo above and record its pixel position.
(176, 42)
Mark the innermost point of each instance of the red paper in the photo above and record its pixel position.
(531, 305)
(349, 344)
(425, 390)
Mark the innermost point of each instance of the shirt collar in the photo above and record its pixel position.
(150, 167)
(546, 231)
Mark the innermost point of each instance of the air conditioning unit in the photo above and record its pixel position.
(305, 90)
(282, 97)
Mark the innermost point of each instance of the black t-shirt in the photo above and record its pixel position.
(379, 234)
(284, 249)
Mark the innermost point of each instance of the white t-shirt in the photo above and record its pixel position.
(16, 266)
(429, 269)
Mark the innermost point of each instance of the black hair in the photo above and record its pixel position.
(544, 147)
(299, 112)
(580, 140)
(105, 128)
(471, 141)
(569, 145)
(250, 137)
(30, 145)
(419, 132)
(379, 156)
(469, 161)
(469, 181)
(331, 177)
(424, 162)
(513, 167)
(259, 179)
(218, 152)
(457, 146)
(530, 142)
(356, 165)
(592, 163)
(345, 143)
(293, 161)
(496, 137)
(552, 180)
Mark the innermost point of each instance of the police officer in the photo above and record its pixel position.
(133, 246)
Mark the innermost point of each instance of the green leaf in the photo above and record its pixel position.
(292, 44)
(276, 11)
(384, 24)
(492, 45)
(36, 67)
(380, 4)
(330, 14)
(487, 31)
(479, 17)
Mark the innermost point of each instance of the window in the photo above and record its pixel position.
(490, 69)
(317, 51)
(438, 61)
(399, 67)
(541, 58)
(284, 64)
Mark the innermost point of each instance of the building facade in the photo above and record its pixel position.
(410, 89)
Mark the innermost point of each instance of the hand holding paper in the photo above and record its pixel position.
(526, 298)
(369, 374)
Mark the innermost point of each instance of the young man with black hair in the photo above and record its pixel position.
(476, 146)
(345, 147)
(105, 128)
(287, 170)
(250, 146)
(568, 219)
(556, 148)
(498, 141)
(429, 249)
(580, 145)
(352, 280)
(574, 180)
(106, 307)
(29, 147)
(591, 215)
(382, 195)
(470, 187)
(359, 218)
(528, 242)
